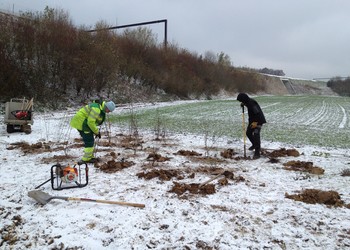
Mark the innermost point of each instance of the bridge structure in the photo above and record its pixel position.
(329, 78)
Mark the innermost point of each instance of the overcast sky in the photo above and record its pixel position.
(304, 38)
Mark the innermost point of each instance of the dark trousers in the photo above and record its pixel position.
(88, 139)
(253, 135)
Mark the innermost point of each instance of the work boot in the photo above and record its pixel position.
(256, 154)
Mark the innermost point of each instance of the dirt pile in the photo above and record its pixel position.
(157, 158)
(228, 153)
(303, 166)
(193, 188)
(30, 148)
(187, 153)
(162, 174)
(315, 196)
(283, 153)
(113, 166)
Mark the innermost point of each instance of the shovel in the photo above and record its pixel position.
(44, 198)
(211, 179)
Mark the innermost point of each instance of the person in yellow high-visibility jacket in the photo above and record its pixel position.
(86, 121)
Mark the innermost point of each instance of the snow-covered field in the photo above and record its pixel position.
(298, 120)
(247, 211)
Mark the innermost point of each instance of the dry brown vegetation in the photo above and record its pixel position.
(42, 55)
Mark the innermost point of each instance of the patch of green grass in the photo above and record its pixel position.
(303, 120)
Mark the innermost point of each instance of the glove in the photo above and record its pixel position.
(254, 124)
(98, 135)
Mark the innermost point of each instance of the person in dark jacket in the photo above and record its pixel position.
(256, 119)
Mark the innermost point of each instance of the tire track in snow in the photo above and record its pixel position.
(303, 114)
(345, 118)
(281, 114)
(317, 116)
(270, 105)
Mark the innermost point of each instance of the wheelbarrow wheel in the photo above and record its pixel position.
(10, 128)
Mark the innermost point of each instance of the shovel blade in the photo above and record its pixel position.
(40, 196)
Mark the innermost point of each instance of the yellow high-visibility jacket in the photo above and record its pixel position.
(89, 117)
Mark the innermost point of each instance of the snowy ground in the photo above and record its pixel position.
(248, 211)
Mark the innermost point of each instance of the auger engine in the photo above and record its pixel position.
(64, 177)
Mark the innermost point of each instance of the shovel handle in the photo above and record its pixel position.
(211, 179)
(108, 202)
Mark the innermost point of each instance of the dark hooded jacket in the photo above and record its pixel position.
(255, 113)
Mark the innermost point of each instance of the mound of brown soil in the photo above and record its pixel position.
(303, 166)
(113, 166)
(157, 158)
(228, 153)
(193, 188)
(187, 153)
(313, 196)
(283, 152)
(27, 148)
(162, 174)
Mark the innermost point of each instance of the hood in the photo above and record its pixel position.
(243, 97)
(109, 105)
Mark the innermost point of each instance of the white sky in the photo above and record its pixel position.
(306, 39)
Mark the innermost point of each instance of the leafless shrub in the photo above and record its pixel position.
(159, 128)
(345, 172)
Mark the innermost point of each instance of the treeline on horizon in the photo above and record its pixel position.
(340, 86)
(44, 56)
